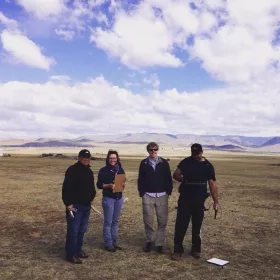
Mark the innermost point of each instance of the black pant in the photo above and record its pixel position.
(188, 208)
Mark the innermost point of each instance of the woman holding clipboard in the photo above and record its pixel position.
(111, 179)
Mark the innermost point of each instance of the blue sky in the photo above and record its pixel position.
(81, 59)
(158, 50)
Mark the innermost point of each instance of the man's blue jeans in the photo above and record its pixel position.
(112, 210)
(76, 228)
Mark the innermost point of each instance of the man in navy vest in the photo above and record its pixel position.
(154, 186)
(194, 173)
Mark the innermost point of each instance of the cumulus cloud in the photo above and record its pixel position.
(29, 109)
(7, 22)
(241, 50)
(19, 48)
(60, 78)
(23, 50)
(153, 80)
(138, 38)
(67, 35)
(235, 41)
(42, 9)
(232, 39)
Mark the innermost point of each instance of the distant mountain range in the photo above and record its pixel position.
(214, 142)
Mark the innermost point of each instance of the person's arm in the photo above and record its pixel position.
(177, 175)
(213, 187)
(214, 193)
(100, 181)
(94, 190)
(108, 186)
(168, 178)
(140, 180)
(67, 189)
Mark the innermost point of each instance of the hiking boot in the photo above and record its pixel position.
(83, 255)
(74, 259)
(176, 256)
(159, 249)
(117, 247)
(196, 255)
(148, 247)
(110, 249)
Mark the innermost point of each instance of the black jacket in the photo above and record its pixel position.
(78, 186)
(154, 180)
(107, 176)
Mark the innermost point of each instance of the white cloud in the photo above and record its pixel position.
(66, 18)
(242, 49)
(42, 8)
(138, 38)
(96, 3)
(23, 50)
(67, 35)
(232, 39)
(233, 54)
(153, 80)
(7, 22)
(60, 78)
(28, 109)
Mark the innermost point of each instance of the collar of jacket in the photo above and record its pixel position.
(159, 160)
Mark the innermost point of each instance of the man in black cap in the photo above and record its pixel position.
(78, 192)
(194, 173)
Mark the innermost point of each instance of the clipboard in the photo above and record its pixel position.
(119, 183)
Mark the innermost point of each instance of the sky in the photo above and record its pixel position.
(70, 68)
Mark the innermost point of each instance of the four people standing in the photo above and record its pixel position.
(154, 187)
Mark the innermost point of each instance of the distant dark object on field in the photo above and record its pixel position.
(55, 155)
(97, 158)
(274, 164)
(52, 155)
(6, 155)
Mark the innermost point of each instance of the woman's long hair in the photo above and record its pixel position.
(113, 152)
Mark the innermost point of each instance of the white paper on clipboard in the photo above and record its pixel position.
(217, 261)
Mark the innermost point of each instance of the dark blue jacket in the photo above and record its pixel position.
(154, 180)
(107, 176)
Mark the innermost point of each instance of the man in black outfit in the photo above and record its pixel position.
(193, 172)
(78, 192)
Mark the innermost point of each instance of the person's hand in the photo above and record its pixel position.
(216, 206)
(69, 207)
(112, 186)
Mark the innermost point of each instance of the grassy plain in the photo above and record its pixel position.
(32, 230)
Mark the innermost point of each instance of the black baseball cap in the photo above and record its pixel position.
(85, 153)
(196, 149)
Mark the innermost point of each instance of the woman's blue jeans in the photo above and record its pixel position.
(112, 211)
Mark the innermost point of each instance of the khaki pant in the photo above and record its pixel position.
(160, 204)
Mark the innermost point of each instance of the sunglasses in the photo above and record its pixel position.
(151, 150)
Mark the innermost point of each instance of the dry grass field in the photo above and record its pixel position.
(32, 230)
